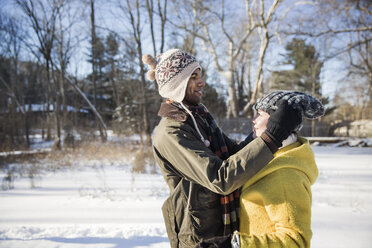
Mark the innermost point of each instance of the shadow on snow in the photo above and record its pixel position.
(118, 242)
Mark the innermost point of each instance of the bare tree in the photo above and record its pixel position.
(111, 52)
(93, 49)
(335, 17)
(257, 17)
(359, 49)
(132, 10)
(12, 34)
(348, 25)
(263, 21)
(65, 44)
(95, 46)
(42, 17)
(162, 12)
(150, 11)
(234, 49)
(360, 66)
(92, 107)
(242, 76)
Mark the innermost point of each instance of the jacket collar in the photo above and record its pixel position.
(173, 112)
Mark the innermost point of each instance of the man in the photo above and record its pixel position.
(198, 162)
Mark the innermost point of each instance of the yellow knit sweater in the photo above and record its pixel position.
(275, 205)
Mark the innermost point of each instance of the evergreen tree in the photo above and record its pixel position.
(111, 53)
(304, 74)
(97, 77)
(214, 102)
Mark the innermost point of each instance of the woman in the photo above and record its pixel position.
(276, 202)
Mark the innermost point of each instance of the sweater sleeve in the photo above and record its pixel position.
(183, 150)
(286, 202)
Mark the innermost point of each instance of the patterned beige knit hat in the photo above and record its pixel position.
(172, 71)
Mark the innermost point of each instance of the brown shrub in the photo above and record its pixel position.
(143, 158)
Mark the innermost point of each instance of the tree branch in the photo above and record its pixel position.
(12, 94)
(349, 30)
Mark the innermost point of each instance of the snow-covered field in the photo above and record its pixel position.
(110, 207)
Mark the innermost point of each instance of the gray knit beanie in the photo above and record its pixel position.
(307, 105)
(172, 71)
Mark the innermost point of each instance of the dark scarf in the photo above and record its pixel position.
(229, 203)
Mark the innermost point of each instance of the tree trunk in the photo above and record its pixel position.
(259, 77)
(137, 36)
(163, 19)
(113, 84)
(232, 95)
(146, 125)
(101, 123)
(13, 106)
(48, 97)
(150, 11)
(230, 80)
(101, 129)
(93, 47)
(61, 75)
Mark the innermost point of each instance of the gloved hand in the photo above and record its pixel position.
(282, 122)
(216, 242)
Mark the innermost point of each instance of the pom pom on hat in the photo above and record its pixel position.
(151, 75)
(307, 105)
(150, 61)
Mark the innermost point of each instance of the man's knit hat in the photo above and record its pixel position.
(172, 71)
(307, 105)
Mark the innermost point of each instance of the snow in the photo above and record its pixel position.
(42, 107)
(4, 154)
(342, 198)
(88, 207)
(108, 206)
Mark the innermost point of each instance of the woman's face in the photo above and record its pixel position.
(260, 123)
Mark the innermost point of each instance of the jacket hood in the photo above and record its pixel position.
(298, 155)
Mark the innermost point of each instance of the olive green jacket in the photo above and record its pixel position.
(197, 177)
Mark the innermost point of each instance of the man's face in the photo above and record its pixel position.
(194, 88)
(260, 122)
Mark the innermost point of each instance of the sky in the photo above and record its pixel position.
(109, 17)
